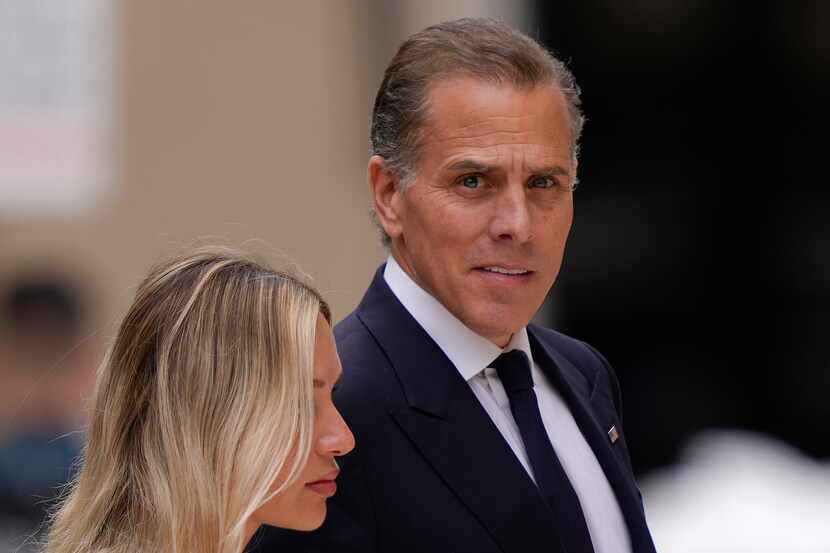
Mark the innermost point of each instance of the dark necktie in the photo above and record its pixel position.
(514, 371)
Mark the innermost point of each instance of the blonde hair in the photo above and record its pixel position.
(205, 397)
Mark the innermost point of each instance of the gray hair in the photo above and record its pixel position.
(484, 49)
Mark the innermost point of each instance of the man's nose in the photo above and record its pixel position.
(337, 439)
(511, 217)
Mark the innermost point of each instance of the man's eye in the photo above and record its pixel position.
(541, 182)
(471, 181)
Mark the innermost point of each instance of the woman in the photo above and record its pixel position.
(212, 414)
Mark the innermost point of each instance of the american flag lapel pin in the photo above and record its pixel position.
(613, 434)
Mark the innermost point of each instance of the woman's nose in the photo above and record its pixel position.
(338, 438)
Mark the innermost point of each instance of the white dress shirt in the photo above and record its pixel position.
(472, 355)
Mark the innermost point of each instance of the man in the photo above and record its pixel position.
(475, 430)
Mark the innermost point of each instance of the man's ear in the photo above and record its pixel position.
(385, 191)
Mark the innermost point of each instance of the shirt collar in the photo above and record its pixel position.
(469, 352)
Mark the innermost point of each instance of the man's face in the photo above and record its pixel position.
(483, 226)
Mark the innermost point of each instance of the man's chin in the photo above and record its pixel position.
(499, 335)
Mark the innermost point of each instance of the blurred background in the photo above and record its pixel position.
(697, 264)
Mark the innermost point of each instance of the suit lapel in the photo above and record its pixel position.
(585, 402)
(451, 430)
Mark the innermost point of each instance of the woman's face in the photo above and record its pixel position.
(302, 506)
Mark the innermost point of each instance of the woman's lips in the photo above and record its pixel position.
(326, 486)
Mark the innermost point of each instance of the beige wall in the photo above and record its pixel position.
(241, 121)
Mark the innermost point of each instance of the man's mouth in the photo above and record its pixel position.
(505, 270)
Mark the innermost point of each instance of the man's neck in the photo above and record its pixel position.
(500, 341)
(403, 262)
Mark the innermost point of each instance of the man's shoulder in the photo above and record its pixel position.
(580, 354)
(591, 363)
(364, 362)
(353, 339)
(348, 326)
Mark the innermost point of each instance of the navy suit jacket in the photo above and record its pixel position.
(430, 471)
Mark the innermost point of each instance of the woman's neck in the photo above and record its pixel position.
(250, 529)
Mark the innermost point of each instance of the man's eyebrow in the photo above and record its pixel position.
(469, 165)
(479, 167)
(551, 171)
